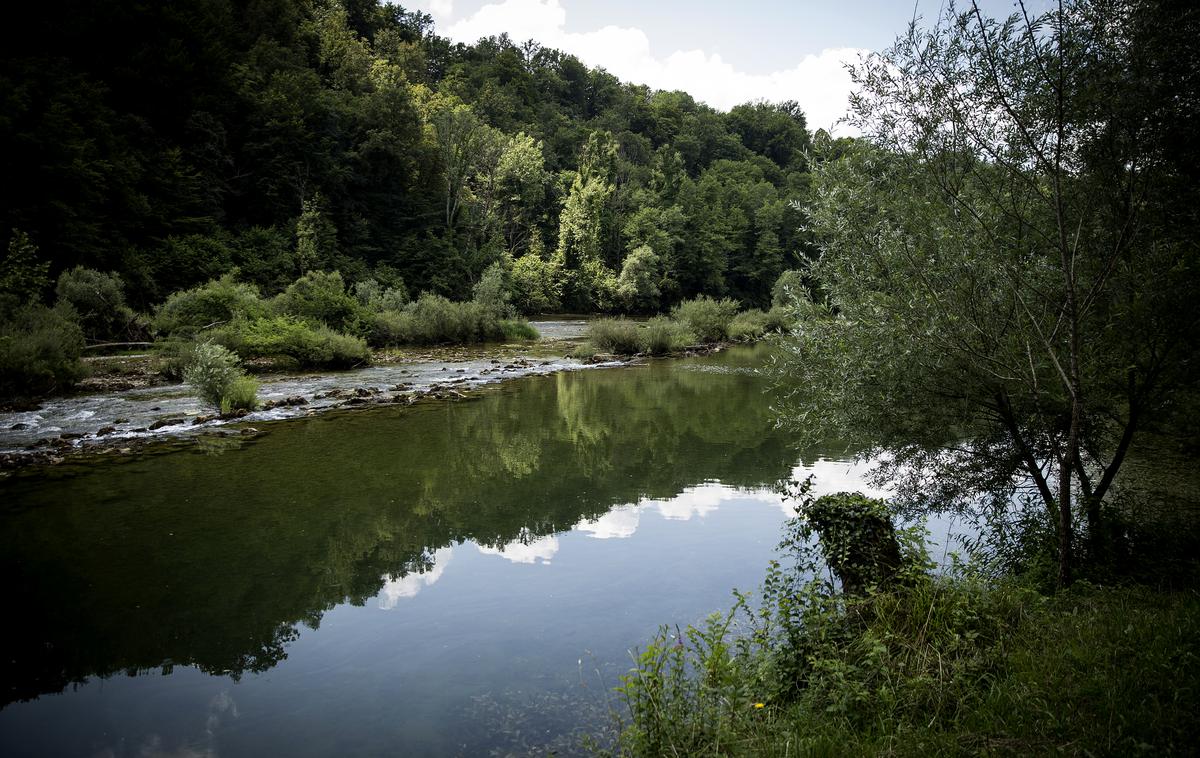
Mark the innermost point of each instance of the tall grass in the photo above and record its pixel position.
(949, 666)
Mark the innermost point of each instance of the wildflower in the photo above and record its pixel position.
(760, 705)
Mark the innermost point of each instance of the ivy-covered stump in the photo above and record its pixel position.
(857, 539)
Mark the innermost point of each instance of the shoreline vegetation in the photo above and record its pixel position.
(200, 337)
(978, 657)
(317, 323)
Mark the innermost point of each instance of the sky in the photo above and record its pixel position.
(722, 53)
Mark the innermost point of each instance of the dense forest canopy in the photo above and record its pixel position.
(174, 142)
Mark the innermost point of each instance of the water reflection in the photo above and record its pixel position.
(217, 562)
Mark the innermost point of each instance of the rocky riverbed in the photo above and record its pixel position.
(127, 409)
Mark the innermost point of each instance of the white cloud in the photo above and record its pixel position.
(818, 82)
(441, 10)
(409, 585)
(693, 502)
(523, 550)
(616, 524)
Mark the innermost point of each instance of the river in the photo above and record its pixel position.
(456, 577)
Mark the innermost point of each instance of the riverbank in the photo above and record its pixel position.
(955, 667)
(132, 408)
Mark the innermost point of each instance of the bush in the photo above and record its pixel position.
(372, 295)
(320, 297)
(779, 319)
(291, 338)
(614, 335)
(98, 300)
(705, 317)
(514, 330)
(39, 349)
(217, 302)
(437, 320)
(660, 335)
(211, 372)
(434, 320)
(748, 325)
(240, 395)
(788, 288)
(386, 328)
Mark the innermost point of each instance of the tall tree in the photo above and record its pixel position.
(1010, 295)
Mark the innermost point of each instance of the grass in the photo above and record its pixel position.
(950, 667)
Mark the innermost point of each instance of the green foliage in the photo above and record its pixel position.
(305, 138)
(319, 297)
(513, 330)
(748, 325)
(947, 665)
(614, 335)
(98, 300)
(492, 291)
(788, 288)
(374, 296)
(21, 273)
(433, 319)
(293, 339)
(779, 319)
(39, 349)
(537, 283)
(217, 302)
(705, 317)
(211, 372)
(637, 285)
(316, 236)
(240, 395)
(661, 335)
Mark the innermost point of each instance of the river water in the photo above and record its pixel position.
(448, 578)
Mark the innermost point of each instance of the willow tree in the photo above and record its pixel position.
(1008, 258)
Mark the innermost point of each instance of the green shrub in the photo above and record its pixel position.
(748, 325)
(434, 320)
(241, 394)
(375, 297)
(212, 304)
(386, 328)
(437, 320)
(211, 372)
(516, 330)
(614, 335)
(291, 338)
(660, 335)
(39, 349)
(98, 300)
(320, 297)
(537, 283)
(174, 354)
(705, 317)
(779, 319)
(788, 288)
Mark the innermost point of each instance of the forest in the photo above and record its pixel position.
(173, 143)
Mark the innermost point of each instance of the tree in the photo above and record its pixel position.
(637, 285)
(1007, 264)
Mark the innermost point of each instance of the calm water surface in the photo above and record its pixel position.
(443, 579)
